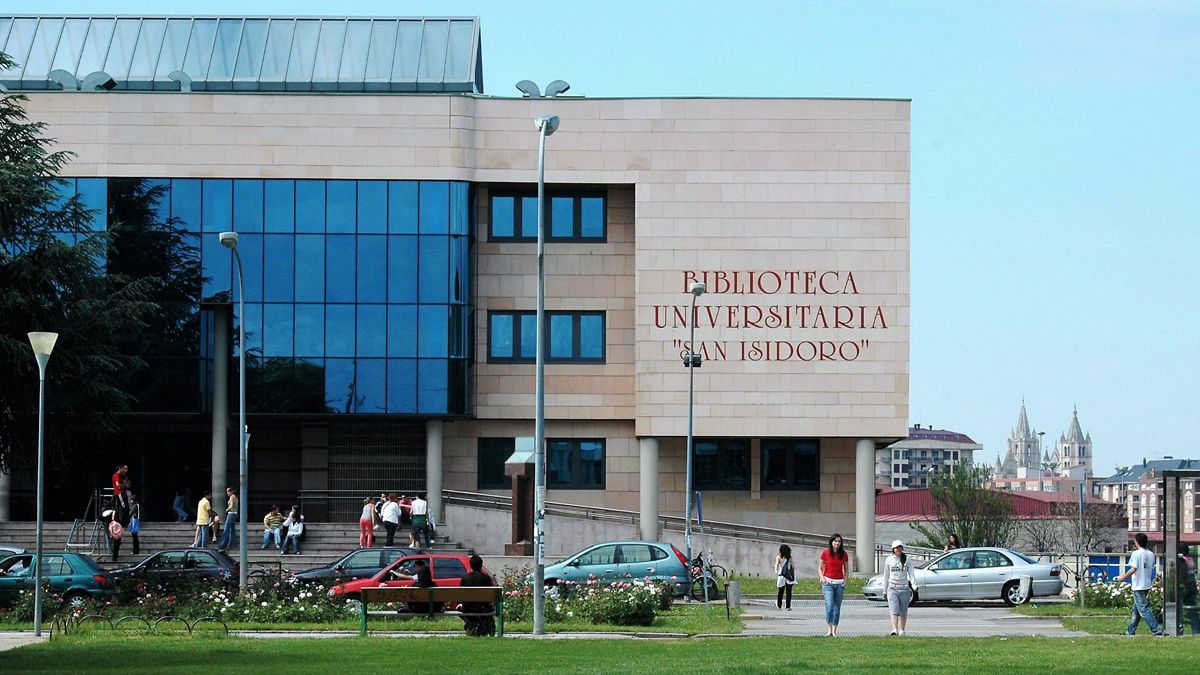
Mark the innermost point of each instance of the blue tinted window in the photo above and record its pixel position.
(185, 203)
(372, 206)
(503, 214)
(372, 269)
(529, 336)
(562, 217)
(310, 206)
(529, 217)
(93, 193)
(253, 328)
(372, 330)
(217, 203)
(218, 266)
(340, 205)
(435, 207)
(310, 268)
(278, 328)
(248, 205)
(402, 207)
(501, 336)
(339, 268)
(279, 263)
(370, 379)
(250, 248)
(402, 330)
(340, 396)
(434, 269)
(431, 386)
(591, 336)
(161, 205)
(460, 208)
(460, 269)
(562, 336)
(402, 269)
(340, 322)
(591, 219)
(310, 330)
(280, 205)
(402, 385)
(433, 324)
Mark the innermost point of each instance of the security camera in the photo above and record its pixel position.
(229, 239)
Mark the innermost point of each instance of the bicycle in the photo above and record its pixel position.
(706, 584)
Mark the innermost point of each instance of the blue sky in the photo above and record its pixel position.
(1054, 174)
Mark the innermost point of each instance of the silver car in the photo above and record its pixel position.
(978, 573)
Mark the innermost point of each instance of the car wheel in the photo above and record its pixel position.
(1011, 594)
(75, 601)
(705, 586)
(915, 599)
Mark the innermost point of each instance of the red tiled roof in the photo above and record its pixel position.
(917, 504)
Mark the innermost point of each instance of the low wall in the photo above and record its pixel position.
(488, 530)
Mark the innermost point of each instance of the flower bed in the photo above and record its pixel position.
(631, 602)
(1117, 595)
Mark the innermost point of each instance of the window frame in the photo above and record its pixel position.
(722, 484)
(576, 337)
(510, 444)
(790, 446)
(577, 195)
(577, 464)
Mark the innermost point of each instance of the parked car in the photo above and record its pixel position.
(175, 566)
(362, 563)
(978, 573)
(616, 560)
(448, 570)
(73, 576)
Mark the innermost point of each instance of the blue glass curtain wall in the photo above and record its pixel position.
(358, 295)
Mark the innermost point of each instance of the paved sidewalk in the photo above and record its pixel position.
(863, 617)
(14, 639)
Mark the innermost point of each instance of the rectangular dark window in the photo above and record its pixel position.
(490, 463)
(721, 464)
(791, 464)
(571, 215)
(575, 464)
(572, 337)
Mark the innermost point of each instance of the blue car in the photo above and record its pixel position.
(623, 560)
(72, 576)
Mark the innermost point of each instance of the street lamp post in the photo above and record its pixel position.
(691, 361)
(43, 344)
(230, 241)
(545, 126)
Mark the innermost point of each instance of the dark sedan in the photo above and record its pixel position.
(177, 566)
(363, 563)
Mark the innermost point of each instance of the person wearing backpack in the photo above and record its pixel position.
(785, 577)
(832, 571)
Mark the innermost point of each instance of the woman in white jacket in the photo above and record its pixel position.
(899, 580)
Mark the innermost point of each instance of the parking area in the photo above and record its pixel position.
(864, 617)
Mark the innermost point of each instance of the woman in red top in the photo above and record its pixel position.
(833, 570)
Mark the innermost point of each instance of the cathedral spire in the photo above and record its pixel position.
(1022, 422)
(1074, 433)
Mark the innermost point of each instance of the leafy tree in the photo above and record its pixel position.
(962, 505)
(53, 277)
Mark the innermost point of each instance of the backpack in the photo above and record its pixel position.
(787, 571)
(115, 530)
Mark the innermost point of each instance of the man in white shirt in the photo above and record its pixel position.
(391, 517)
(1141, 568)
(420, 520)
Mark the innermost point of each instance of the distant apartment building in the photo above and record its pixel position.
(911, 463)
(1038, 483)
(1140, 489)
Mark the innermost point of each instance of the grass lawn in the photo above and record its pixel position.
(692, 619)
(766, 586)
(775, 655)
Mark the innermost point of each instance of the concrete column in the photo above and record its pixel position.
(433, 470)
(5, 496)
(648, 489)
(864, 505)
(220, 427)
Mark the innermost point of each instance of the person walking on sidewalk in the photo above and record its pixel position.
(229, 533)
(204, 515)
(1141, 568)
(785, 577)
(900, 582)
(832, 570)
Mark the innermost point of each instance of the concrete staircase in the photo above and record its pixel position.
(323, 542)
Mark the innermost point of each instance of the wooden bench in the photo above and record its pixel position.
(450, 596)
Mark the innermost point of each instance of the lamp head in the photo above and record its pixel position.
(697, 288)
(43, 343)
(547, 124)
(229, 239)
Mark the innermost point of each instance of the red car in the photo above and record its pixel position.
(448, 570)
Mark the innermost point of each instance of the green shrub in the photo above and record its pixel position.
(620, 603)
